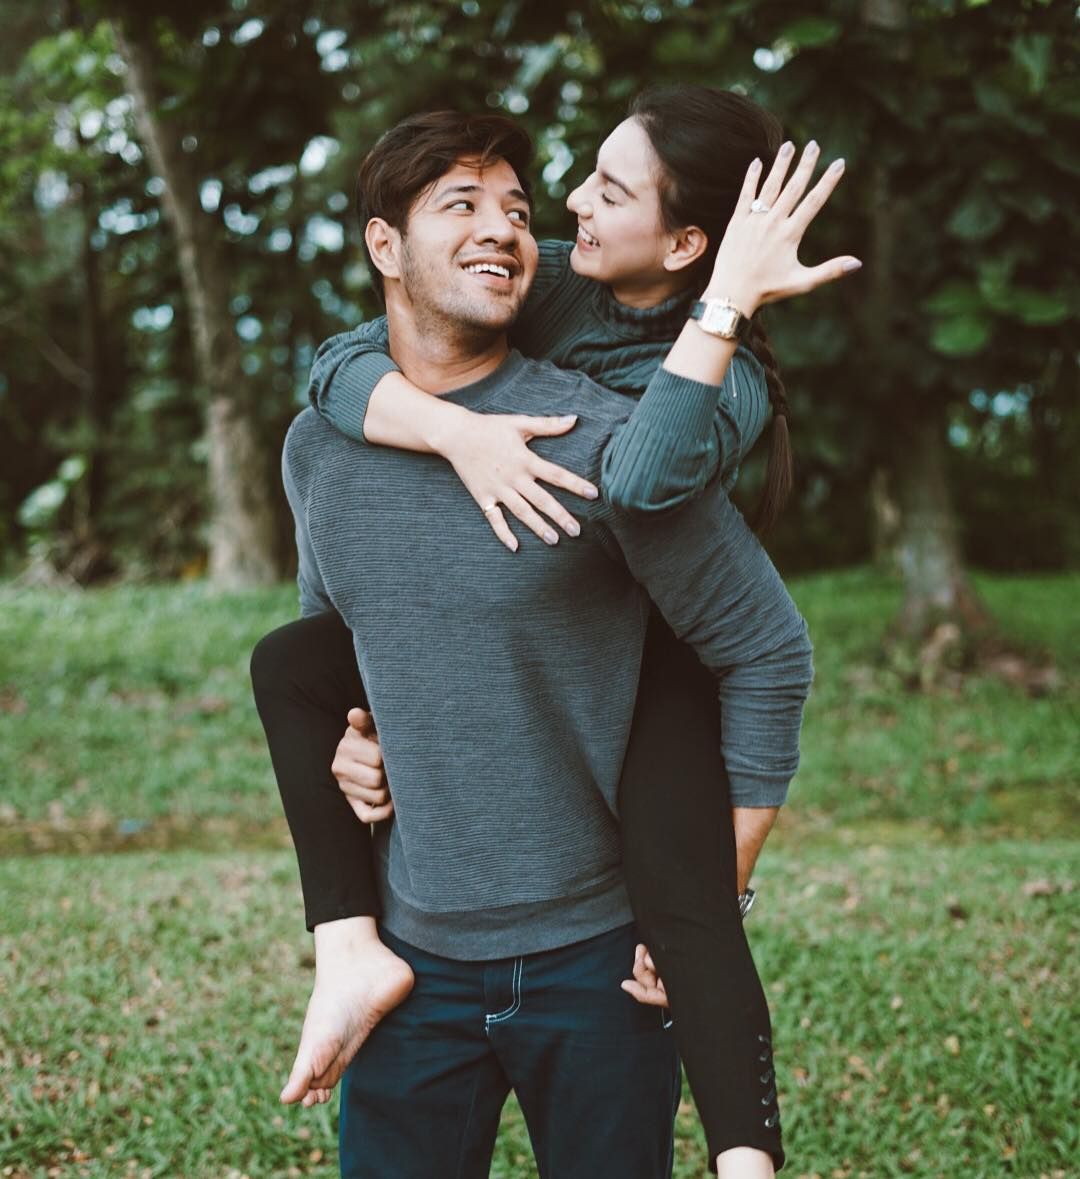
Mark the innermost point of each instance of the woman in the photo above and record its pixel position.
(651, 220)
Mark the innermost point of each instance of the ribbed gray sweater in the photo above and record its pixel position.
(682, 432)
(503, 684)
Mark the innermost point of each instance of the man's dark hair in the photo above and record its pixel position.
(413, 155)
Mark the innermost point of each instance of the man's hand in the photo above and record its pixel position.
(752, 826)
(646, 986)
(358, 768)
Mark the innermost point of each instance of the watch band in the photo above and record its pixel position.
(746, 902)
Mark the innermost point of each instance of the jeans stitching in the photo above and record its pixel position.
(515, 996)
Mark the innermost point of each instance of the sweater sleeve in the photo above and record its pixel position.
(682, 434)
(313, 596)
(720, 593)
(346, 369)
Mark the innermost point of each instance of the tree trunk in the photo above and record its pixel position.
(937, 590)
(243, 546)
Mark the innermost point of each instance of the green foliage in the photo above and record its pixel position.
(960, 122)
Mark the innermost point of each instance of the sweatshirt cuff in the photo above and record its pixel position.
(352, 392)
(753, 791)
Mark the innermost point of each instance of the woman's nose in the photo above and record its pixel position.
(578, 202)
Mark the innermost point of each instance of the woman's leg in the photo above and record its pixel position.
(679, 861)
(305, 680)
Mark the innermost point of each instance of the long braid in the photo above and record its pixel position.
(780, 470)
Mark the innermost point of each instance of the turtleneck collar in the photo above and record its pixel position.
(663, 321)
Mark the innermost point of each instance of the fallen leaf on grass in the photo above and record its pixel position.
(1039, 888)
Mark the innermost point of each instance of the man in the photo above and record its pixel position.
(504, 688)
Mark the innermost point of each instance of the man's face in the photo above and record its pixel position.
(467, 257)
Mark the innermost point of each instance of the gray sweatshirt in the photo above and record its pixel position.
(503, 684)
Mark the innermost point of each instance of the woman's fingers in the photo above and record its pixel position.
(770, 190)
(814, 202)
(545, 502)
(800, 178)
(749, 189)
(493, 515)
(531, 427)
(516, 503)
(562, 478)
(816, 276)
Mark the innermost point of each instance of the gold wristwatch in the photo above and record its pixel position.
(720, 317)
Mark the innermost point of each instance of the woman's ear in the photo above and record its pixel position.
(383, 243)
(686, 247)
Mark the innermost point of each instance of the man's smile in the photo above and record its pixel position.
(498, 272)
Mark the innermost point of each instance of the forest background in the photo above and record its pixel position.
(177, 236)
(176, 239)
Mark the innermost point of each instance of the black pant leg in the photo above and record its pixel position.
(305, 680)
(679, 862)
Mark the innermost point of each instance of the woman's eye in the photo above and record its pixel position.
(460, 205)
(522, 217)
(606, 199)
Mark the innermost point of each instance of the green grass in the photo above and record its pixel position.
(132, 704)
(918, 926)
(922, 1005)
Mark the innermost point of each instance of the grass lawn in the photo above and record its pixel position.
(924, 1013)
(125, 706)
(917, 929)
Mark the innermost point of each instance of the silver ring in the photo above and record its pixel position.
(490, 508)
(758, 206)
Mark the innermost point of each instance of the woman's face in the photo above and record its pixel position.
(621, 239)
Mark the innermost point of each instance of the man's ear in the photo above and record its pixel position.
(384, 245)
(685, 247)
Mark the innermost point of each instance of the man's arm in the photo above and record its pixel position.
(752, 826)
(719, 592)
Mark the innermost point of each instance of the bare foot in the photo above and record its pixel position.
(354, 989)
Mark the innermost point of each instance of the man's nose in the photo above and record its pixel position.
(496, 227)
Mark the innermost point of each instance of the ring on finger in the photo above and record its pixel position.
(491, 507)
(759, 206)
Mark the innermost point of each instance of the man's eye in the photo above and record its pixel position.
(460, 205)
(521, 215)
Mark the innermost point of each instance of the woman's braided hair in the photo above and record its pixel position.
(705, 139)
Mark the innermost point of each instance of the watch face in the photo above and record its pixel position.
(720, 318)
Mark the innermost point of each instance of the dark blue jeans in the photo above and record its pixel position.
(596, 1073)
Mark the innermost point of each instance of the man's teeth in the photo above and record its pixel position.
(489, 268)
(587, 238)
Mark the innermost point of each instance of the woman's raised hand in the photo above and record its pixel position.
(758, 258)
(490, 454)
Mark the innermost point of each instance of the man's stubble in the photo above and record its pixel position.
(446, 312)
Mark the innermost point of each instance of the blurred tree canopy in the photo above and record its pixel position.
(176, 238)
